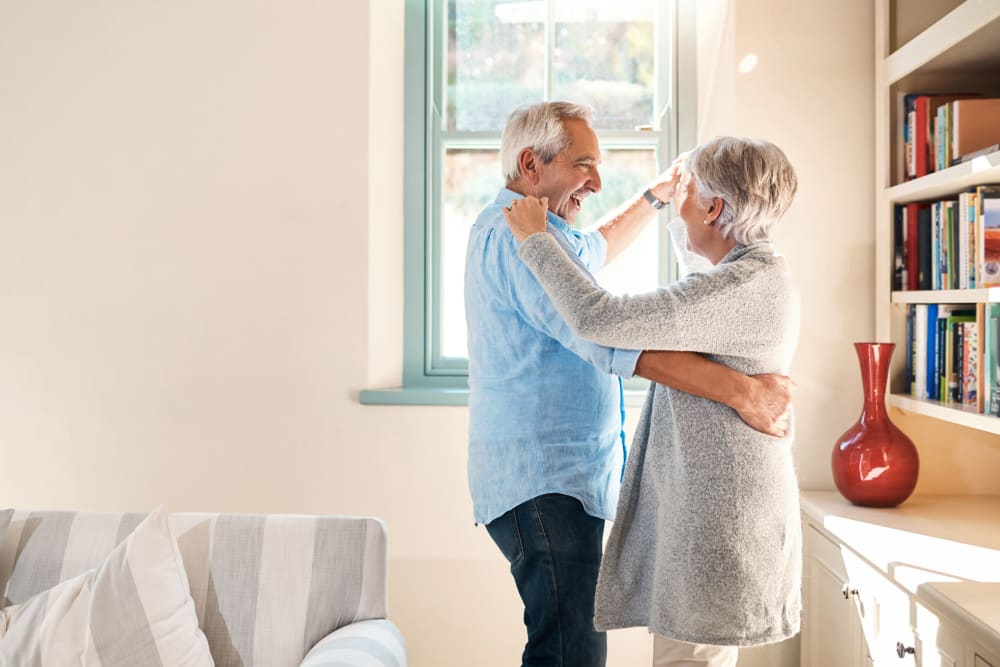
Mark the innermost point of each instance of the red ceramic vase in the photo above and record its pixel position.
(874, 463)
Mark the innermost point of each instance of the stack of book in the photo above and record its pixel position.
(949, 244)
(953, 355)
(943, 130)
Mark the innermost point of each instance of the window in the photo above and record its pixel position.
(469, 63)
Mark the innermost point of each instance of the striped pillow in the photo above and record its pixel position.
(266, 587)
(134, 609)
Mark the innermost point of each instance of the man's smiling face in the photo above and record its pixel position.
(572, 175)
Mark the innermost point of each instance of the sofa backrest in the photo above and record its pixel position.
(267, 587)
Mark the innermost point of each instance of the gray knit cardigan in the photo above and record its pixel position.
(706, 547)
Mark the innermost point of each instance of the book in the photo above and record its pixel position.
(955, 351)
(939, 253)
(940, 137)
(899, 248)
(920, 350)
(911, 380)
(925, 268)
(974, 125)
(967, 202)
(960, 215)
(956, 343)
(969, 378)
(908, 123)
(912, 237)
(992, 358)
(988, 213)
(981, 390)
(933, 356)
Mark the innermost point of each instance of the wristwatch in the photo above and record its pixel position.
(653, 201)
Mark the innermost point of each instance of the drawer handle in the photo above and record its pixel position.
(847, 591)
(902, 650)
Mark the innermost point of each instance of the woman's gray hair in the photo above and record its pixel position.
(540, 128)
(754, 180)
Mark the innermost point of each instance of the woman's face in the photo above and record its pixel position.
(687, 206)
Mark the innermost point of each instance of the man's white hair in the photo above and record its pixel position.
(540, 128)
(753, 178)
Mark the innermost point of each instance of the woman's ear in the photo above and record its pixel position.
(714, 210)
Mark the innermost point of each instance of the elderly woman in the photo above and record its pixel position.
(706, 551)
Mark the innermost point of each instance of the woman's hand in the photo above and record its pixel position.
(526, 216)
(666, 183)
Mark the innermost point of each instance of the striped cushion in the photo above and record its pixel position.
(368, 643)
(135, 609)
(266, 587)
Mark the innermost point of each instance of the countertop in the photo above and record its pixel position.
(943, 549)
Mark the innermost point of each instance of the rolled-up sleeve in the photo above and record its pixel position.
(623, 361)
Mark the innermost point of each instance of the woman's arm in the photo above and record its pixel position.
(714, 312)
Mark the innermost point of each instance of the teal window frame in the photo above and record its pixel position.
(428, 377)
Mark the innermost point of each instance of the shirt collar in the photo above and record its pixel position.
(506, 196)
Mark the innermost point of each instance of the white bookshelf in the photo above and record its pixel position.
(986, 295)
(955, 48)
(956, 415)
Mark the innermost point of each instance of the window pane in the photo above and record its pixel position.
(604, 58)
(623, 173)
(496, 61)
(471, 180)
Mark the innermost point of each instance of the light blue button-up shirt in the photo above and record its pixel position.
(545, 407)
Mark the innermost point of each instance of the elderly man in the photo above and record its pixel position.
(546, 446)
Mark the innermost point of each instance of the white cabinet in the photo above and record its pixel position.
(914, 586)
(832, 635)
(853, 615)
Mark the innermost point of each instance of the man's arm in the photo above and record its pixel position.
(762, 401)
(625, 223)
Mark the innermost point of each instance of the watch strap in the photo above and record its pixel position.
(653, 200)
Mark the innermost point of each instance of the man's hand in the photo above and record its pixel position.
(766, 406)
(762, 401)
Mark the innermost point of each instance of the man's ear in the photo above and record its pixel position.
(528, 162)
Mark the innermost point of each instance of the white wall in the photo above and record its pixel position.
(811, 93)
(200, 267)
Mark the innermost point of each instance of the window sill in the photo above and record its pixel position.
(414, 396)
(634, 398)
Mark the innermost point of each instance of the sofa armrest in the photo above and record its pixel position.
(374, 642)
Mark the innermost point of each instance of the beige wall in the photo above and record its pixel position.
(200, 267)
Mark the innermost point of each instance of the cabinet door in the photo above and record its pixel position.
(884, 612)
(832, 635)
(940, 645)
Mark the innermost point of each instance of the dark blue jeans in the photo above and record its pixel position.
(554, 551)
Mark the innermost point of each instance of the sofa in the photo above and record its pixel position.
(262, 590)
